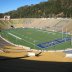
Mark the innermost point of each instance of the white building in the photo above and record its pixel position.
(6, 17)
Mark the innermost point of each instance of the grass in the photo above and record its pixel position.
(31, 37)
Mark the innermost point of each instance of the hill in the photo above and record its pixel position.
(51, 8)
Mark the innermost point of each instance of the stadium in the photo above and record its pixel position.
(40, 35)
(37, 34)
(37, 38)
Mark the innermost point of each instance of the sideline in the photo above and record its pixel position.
(25, 47)
(23, 39)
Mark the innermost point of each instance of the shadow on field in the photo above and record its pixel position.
(19, 65)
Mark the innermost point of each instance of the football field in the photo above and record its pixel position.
(38, 38)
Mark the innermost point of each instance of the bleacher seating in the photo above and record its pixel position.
(51, 24)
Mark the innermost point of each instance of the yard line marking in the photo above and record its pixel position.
(21, 38)
(14, 36)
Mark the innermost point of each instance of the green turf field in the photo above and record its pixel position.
(32, 37)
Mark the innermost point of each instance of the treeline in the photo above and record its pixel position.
(51, 8)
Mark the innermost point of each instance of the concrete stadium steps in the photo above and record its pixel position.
(7, 24)
(59, 26)
(18, 25)
(68, 26)
(48, 23)
(40, 23)
(4, 24)
(16, 21)
(1, 22)
(30, 22)
(51, 22)
(3, 43)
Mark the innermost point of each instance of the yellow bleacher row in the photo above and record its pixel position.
(44, 23)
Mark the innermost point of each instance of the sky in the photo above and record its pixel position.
(8, 5)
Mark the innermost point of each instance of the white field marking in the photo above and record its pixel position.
(6, 40)
(26, 37)
(30, 38)
(45, 31)
(30, 43)
(21, 38)
(33, 44)
(14, 36)
(25, 47)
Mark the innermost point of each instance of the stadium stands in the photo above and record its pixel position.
(3, 43)
(51, 24)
